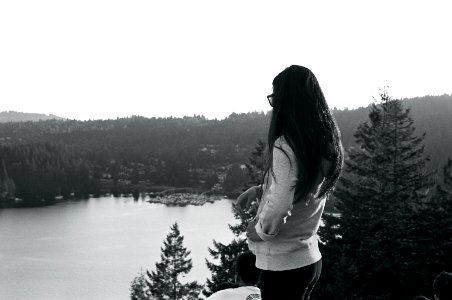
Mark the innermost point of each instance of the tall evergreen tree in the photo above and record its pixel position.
(367, 247)
(139, 289)
(164, 281)
(226, 254)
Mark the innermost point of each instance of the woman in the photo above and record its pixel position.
(305, 159)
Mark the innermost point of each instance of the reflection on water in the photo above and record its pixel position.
(93, 249)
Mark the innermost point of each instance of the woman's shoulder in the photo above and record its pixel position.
(283, 153)
(282, 145)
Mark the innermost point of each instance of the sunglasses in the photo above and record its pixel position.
(270, 99)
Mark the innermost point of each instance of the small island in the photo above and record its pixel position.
(183, 199)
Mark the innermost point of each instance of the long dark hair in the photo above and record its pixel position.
(301, 115)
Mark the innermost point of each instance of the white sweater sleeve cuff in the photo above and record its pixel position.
(264, 236)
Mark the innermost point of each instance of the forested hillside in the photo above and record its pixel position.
(137, 153)
(14, 116)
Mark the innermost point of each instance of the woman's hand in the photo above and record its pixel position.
(245, 200)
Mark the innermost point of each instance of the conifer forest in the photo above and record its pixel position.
(387, 226)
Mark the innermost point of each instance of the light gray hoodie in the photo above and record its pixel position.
(288, 231)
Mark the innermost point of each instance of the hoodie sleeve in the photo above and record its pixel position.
(278, 200)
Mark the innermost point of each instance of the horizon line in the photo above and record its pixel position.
(199, 115)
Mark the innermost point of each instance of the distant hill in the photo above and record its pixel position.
(51, 157)
(14, 116)
(140, 139)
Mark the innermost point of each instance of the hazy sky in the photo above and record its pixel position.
(92, 59)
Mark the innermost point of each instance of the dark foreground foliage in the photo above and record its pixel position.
(391, 235)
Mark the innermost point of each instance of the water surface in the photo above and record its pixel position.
(93, 249)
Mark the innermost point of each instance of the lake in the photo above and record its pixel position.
(92, 249)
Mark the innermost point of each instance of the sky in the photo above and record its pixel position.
(101, 59)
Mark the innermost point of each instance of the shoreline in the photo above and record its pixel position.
(171, 199)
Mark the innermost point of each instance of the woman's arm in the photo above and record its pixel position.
(279, 200)
(249, 196)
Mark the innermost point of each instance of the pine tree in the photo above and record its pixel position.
(139, 289)
(164, 281)
(226, 254)
(368, 246)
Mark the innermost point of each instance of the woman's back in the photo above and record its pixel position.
(289, 227)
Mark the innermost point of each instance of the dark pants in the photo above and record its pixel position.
(296, 284)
